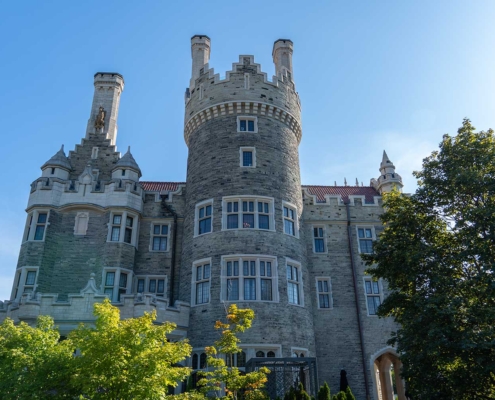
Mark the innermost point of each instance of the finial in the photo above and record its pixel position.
(62, 148)
(345, 182)
(334, 183)
(357, 183)
(361, 184)
(128, 149)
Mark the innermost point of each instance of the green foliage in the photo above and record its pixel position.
(237, 385)
(124, 359)
(348, 394)
(437, 253)
(324, 392)
(290, 395)
(301, 394)
(339, 396)
(33, 363)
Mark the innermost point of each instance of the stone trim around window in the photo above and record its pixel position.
(319, 238)
(290, 218)
(36, 225)
(201, 282)
(151, 284)
(116, 282)
(295, 288)
(242, 160)
(160, 234)
(203, 218)
(373, 292)
(324, 298)
(123, 227)
(365, 237)
(247, 124)
(25, 281)
(249, 278)
(248, 212)
(299, 352)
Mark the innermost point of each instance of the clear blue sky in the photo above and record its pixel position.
(372, 75)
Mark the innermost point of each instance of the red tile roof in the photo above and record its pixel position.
(160, 186)
(344, 191)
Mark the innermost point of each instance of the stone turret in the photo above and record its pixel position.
(200, 53)
(57, 167)
(127, 167)
(105, 108)
(282, 56)
(389, 179)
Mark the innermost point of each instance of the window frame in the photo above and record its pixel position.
(20, 282)
(329, 292)
(372, 238)
(299, 282)
(116, 288)
(195, 281)
(153, 235)
(295, 220)
(256, 213)
(241, 156)
(367, 295)
(147, 279)
(123, 227)
(323, 238)
(257, 258)
(32, 225)
(302, 350)
(247, 118)
(197, 220)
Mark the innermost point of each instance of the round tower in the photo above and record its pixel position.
(241, 241)
(389, 179)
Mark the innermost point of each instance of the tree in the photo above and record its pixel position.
(124, 359)
(324, 392)
(348, 394)
(437, 253)
(236, 384)
(34, 364)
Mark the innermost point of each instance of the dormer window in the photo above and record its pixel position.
(123, 172)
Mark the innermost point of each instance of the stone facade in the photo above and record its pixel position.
(242, 229)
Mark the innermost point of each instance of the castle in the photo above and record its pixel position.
(242, 229)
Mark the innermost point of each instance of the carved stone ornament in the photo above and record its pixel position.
(100, 118)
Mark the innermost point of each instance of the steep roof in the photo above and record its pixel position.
(128, 161)
(160, 186)
(344, 191)
(58, 160)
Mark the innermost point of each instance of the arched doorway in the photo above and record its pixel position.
(386, 367)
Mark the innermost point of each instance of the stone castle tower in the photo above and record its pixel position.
(241, 230)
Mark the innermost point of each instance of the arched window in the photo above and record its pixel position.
(202, 361)
(195, 361)
(270, 354)
(241, 359)
(301, 355)
(260, 354)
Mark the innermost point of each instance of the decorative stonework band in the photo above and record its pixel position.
(243, 108)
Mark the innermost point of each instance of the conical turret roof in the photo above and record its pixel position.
(128, 161)
(58, 160)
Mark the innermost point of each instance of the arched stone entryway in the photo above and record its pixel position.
(382, 364)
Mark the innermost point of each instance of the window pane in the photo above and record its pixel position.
(266, 289)
(123, 280)
(195, 361)
(376, 290)
(325, 286)
(361, 233)
(161, 286)
(30, 277)
(262, 268)
(289, 272)
(260, 354)
(293, 293)
(268, 268)
(208, 210)
(270, 354)
(248, 220)
(232, 221)
(199, 273)
(163, 243)
(206, 271)
(201, 212)
(295, 274)
(110, 279)
(127, 235)
(324, 301)
(229, 268)
(286, 212)
(42, 218)
(229, 206)
(376, 300)
(289, 227)
(164, 229)
(152, 286)
(115, 234)
(266, 208)
(232, 289)
(236, 207)
(243, 125)
(241, 359)
(236, 268)
(251, 206)
(368, 233)
(40, 231)
(129, 221)
(156, 243)
(156, 229)
(245, 268)
(202, 360)
(319, 248)
(244, 206)
(264, 222)
(368, 287)
(251, 126)
(249, 289)
(371, 306)
(205, 225)
(109, 292)
(320, 286)
(366, 245)
(140, 286)
(247, 158)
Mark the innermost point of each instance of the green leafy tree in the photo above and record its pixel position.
(324, 392)
(127, 359)
(34, 364)
(236, 384)
(437, 252)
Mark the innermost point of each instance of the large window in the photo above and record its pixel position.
(116, 282)
(294, 283)
(249, 278)
(365, 237)
(151, 284)
(24, 282)
(290, 219)
(373, 295)
(159, 236)
(248, 213)
(203, 218)
(122, 227)
(36, 224)
(324, 292)
(201, 282)
(319, 239)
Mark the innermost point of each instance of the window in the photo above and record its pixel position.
(198, 360)
(123, 172)
(248, 157)
(248, 213)
(151, 284)
(36, 224)
(25, 282)
(238, 359)
(53, 171)
(365, 237)
(319, 239)
(294, 280)
(121, 228)
(324, 292)
(247, 124)
(290, 219)
(299, 352)
(373, 295)
(116, 282)
(159, 237)
(203, 216)
(249, 278)
(201, 280)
